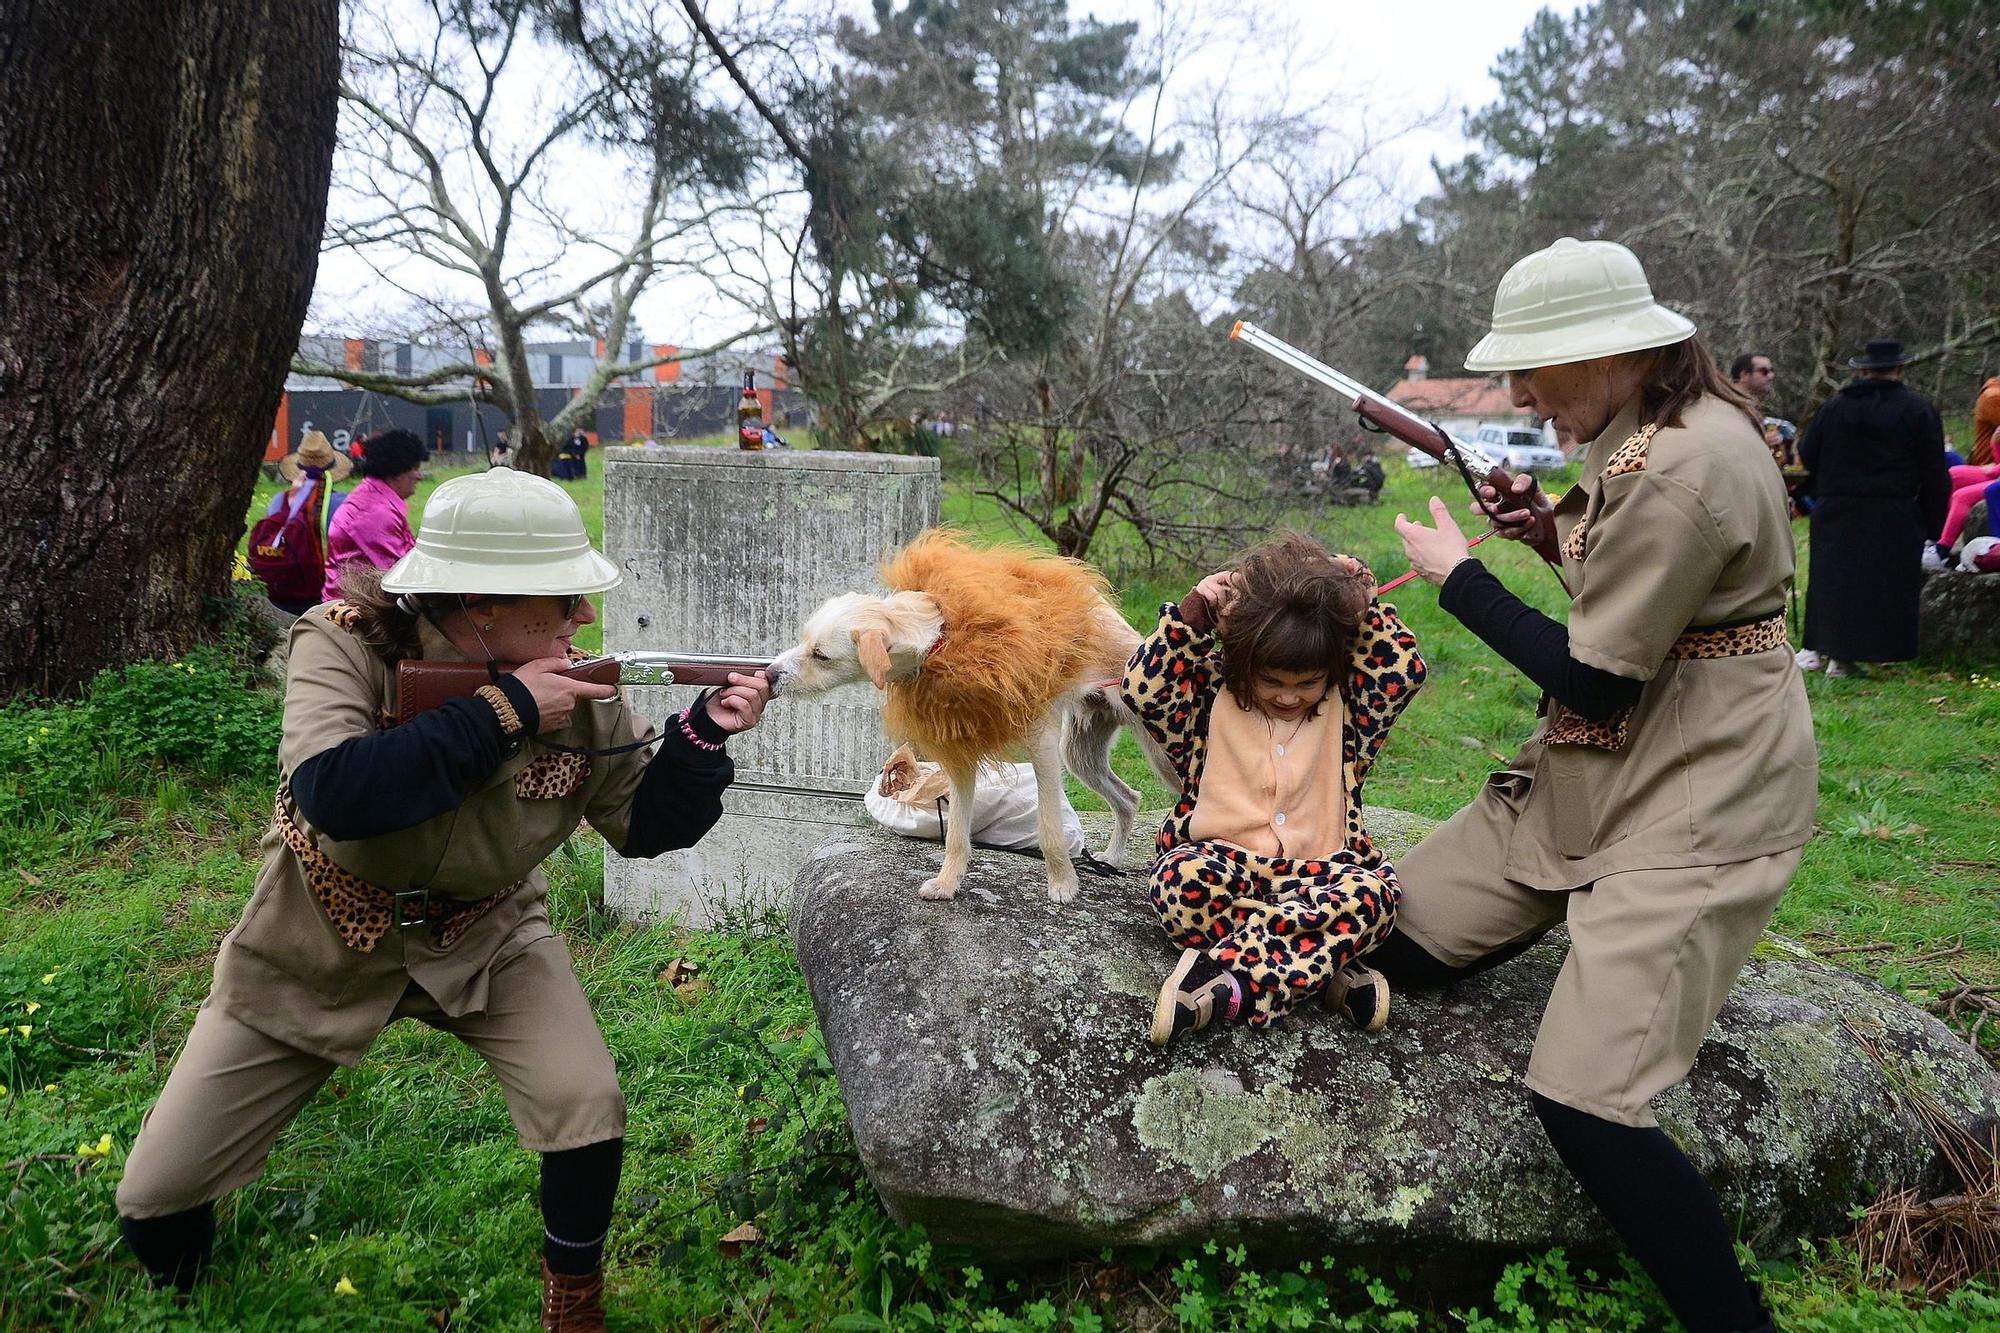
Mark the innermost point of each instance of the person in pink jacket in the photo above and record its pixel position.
(373, 526)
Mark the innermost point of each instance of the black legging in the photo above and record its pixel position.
(579, 1186)
(1639, 1179)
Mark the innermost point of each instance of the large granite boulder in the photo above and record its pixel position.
(993, 1057)
(1959, 616)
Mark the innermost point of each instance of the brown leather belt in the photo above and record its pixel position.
(1742, 638)
(361, 913)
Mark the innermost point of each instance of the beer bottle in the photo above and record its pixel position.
(749, 415)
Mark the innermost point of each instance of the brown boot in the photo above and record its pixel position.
(571, 1303)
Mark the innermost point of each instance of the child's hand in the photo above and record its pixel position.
(1218, 590)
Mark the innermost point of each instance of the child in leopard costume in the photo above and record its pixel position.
(1271, 687)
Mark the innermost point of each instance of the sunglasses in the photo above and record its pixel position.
(569, 605)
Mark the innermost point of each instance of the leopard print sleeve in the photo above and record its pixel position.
(1386, 670)
(1169, 684)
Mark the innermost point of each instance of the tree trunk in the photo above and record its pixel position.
(533, 450)
(163, 176)
(1833, 307)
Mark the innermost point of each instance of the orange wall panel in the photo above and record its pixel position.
(281, 431)
(638, 412)
(669, 371)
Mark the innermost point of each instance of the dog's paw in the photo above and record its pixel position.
(1062, 893)
(936, 890)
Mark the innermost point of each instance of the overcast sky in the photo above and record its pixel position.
(1395, 63)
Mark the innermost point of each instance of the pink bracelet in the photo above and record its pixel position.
(687, 730)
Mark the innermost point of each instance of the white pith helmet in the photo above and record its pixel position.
(504, 533)
(1571, 302)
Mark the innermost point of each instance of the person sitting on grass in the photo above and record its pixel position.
(1271, 688)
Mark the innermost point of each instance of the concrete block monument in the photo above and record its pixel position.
(725, 552)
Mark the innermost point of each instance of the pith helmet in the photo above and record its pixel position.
(1571, 302)
(502, 532)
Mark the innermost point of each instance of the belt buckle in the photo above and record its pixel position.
(416, 916)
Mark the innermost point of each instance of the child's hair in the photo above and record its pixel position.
(1296, 609)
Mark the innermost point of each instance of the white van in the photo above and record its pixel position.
(1518, 448)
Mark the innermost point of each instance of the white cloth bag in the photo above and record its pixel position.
(1003, 811)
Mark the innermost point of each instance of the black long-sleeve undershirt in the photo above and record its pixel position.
(680, 797)
(396, 779)
(1537, 646)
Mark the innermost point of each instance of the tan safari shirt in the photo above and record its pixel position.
(1719, 766)
(284, 971)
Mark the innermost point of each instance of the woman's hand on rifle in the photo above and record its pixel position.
(1518, 512)
(739, 705)
(556, 694)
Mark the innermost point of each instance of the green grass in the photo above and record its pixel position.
(402, 1176)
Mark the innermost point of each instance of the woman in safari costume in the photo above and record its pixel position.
(401, 876)
(1661, 806)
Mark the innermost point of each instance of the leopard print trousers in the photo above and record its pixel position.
(1284, 926)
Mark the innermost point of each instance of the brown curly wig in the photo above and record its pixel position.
(1296, 609)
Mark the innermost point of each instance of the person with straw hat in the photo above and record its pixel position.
(1661, 805)
(288, 545)
(400, 876)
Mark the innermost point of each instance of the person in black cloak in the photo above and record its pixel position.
(1874, 454)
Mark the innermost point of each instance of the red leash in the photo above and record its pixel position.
(1407, 575)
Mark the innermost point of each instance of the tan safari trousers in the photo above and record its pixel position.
(233, 1089)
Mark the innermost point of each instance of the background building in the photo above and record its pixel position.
(1461, 406)
(659, 403)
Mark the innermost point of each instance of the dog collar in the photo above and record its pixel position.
(935, 643)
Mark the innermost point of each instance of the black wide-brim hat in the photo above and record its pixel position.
(1880, 354)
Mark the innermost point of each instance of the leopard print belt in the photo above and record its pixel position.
(1739, 639)
(363, 914)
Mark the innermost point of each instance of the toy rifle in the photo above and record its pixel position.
(1382, 414)
(422, 686)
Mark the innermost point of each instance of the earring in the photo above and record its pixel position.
(488, 627)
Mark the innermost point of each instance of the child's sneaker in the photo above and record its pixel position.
(1195, 993)
(1361, 995)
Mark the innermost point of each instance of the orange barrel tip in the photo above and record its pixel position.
(1237, 329)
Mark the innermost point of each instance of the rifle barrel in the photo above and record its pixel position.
(651, 659)
(1278, 349)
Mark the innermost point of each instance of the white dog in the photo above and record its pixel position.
(981, 653)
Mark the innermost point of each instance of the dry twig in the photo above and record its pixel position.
(1940, 1243)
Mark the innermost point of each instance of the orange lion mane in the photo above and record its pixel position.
(1022, 628)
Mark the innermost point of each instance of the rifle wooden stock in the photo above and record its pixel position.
(422, 686)
(1541, 524)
